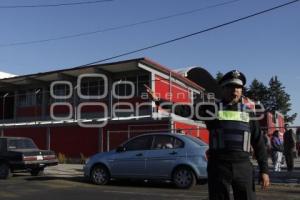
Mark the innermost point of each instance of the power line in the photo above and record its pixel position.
(192, 34)
(53, 5)
(119, 27)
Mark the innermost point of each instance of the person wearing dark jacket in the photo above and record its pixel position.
(289, 143)
(231, 135)
(233, 129)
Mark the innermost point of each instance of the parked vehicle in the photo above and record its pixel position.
(19, 154)
(163, 156)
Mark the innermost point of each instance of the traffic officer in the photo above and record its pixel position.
(231, 133)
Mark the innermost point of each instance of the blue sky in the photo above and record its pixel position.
(261, 47)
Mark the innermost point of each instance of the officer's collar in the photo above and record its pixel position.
(230, 103)
(238, 105)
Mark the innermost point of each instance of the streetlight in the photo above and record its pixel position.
(3, 106)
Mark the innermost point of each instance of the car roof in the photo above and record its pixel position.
(159, 133)
(179, 135)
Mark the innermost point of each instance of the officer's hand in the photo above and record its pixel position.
(265, 181)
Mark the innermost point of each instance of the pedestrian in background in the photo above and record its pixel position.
(277, 151)
(289, 148)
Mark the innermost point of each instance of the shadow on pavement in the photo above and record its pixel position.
(49, 178)
(120, 183)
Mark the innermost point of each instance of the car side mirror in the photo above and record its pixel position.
(121, 149)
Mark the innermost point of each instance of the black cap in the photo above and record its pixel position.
(233, 77)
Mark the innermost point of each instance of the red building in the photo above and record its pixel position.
(88, 109)
(273, 121)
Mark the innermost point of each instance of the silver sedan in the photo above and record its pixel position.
(161, 156)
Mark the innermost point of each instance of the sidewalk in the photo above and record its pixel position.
(64, 170)
(75, 170)
(283, 176)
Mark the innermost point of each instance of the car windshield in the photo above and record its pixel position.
(196, 140)
(21, 144)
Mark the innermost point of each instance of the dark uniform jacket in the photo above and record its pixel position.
(256, 139)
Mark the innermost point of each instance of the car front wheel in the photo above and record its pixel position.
(100, 175)
(184, 178)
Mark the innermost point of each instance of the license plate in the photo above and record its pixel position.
(39, 157)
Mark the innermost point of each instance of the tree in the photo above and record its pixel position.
(273, 97)
(257, 91)
(219, 75)
(278, 100)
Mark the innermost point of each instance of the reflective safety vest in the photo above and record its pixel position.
(231, 131)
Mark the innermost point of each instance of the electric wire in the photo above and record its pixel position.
(119, 27)
(53, 5)
(192, 34)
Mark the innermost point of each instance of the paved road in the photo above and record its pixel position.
(45, 188)
(66, 182)
(74, 188)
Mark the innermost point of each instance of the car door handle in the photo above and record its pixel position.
(139, 154)
(173, 153)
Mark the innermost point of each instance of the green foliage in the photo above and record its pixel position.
(219, 75)
(61, 158)
(257, 91)
(273, 97)
(279, 100)
(82, 158)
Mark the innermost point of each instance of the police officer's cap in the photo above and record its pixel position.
(233, 77)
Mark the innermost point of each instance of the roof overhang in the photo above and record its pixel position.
(71, 74)
(45, 78)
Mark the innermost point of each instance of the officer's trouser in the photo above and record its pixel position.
(223, 174)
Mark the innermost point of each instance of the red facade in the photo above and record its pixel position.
(37, 134)
(27, 111)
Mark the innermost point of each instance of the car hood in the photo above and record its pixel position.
(103, 154)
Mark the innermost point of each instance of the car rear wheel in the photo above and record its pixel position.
(100, 175)
(37, 172)
(4, 171)
(184, 178)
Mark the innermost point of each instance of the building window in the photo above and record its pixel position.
(29, 97)
(124, 89)
(60, 90)
(138, 82)
(22, 98)
(142, 80)
(92, 86)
